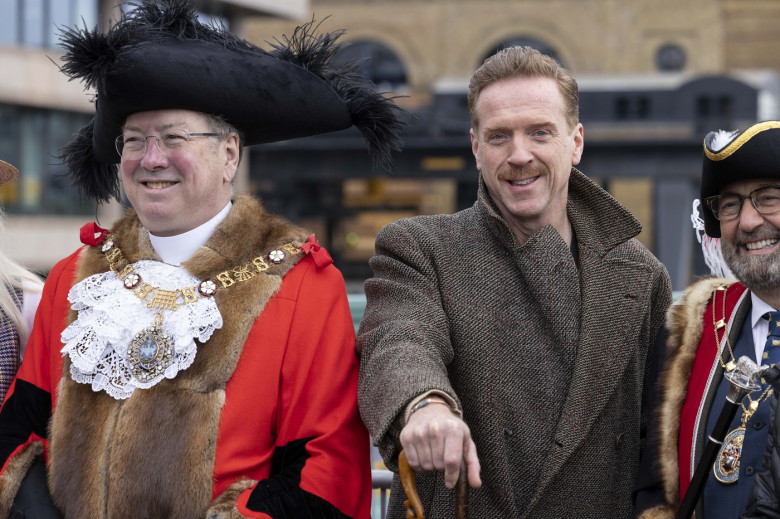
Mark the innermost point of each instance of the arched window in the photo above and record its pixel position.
(377, 63)
(670, 57)
(539, 45)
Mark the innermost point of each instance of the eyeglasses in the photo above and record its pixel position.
(726, 207)
(133, 146)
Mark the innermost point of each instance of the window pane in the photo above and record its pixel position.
(670, 57)
(32, 140)
(61, 17)
(58, 196)
(33, 23)
(32, 163)
(9, 138)
(86, 10)
(9, 15)
(377, 63)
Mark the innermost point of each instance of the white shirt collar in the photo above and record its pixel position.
(760, 325)
(175, 249)
(759, 309)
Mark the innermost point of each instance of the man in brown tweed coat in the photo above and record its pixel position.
(515, 333)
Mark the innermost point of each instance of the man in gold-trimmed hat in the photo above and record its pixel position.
(716, 322)
(197, 359)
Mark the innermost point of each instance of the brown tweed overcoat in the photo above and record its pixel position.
(547, 361)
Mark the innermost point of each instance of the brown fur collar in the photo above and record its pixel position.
(160, 443)
(14, 474)
(684, 322)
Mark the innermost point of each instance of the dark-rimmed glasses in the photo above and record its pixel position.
(726, 207)
(133, 146)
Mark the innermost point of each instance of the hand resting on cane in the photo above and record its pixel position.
(434, 438)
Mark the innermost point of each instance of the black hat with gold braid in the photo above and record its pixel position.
(159, 56)
(734, 156)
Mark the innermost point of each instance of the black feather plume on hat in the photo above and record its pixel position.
(159, 56)
(377, 117)
(97, 181)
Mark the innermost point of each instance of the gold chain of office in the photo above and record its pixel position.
(151, 351)
(726, 465)
(156, 297)
(720, 324)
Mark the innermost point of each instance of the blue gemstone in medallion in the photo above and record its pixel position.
(148, 350)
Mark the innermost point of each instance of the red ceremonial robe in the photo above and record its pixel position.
(263, 424)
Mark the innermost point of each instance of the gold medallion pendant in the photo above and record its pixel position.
(150, 353)
(726, 466)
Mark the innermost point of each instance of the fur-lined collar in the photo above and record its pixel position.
(685, 323)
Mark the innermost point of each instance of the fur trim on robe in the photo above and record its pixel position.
(684, 320)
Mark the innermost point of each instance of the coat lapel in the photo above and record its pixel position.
(614, 309)
(603, 355)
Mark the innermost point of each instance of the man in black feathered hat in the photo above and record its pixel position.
(718, 321)
(196, 360)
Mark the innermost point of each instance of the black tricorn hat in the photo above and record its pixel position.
(159, 56)
(752, 154)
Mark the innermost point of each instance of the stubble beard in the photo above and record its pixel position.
(759, 273)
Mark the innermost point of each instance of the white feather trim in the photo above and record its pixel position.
(710, 247)
(721, 139)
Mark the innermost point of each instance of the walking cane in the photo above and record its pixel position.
(414, 508)
(742, 380)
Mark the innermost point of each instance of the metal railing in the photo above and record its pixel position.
(381, 480)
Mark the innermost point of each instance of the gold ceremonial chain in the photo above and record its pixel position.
(748, 411)
(720, 324)
(168, 299)
(152, 350)
(726, 465)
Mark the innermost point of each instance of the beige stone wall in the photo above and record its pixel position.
(30, 77)
(445, 39)
(752, 34)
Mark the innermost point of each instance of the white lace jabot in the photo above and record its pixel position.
(110, 316)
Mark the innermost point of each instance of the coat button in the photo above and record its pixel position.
(749, 471)
(758, 424)
(619, 441)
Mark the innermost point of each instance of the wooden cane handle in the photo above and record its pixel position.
(414, 508)
(462, 493)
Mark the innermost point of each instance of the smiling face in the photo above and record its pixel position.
(751, 243)
(525, 149)
(176, 193)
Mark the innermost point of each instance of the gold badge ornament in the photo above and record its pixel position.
(150, 353)
(726, 467)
